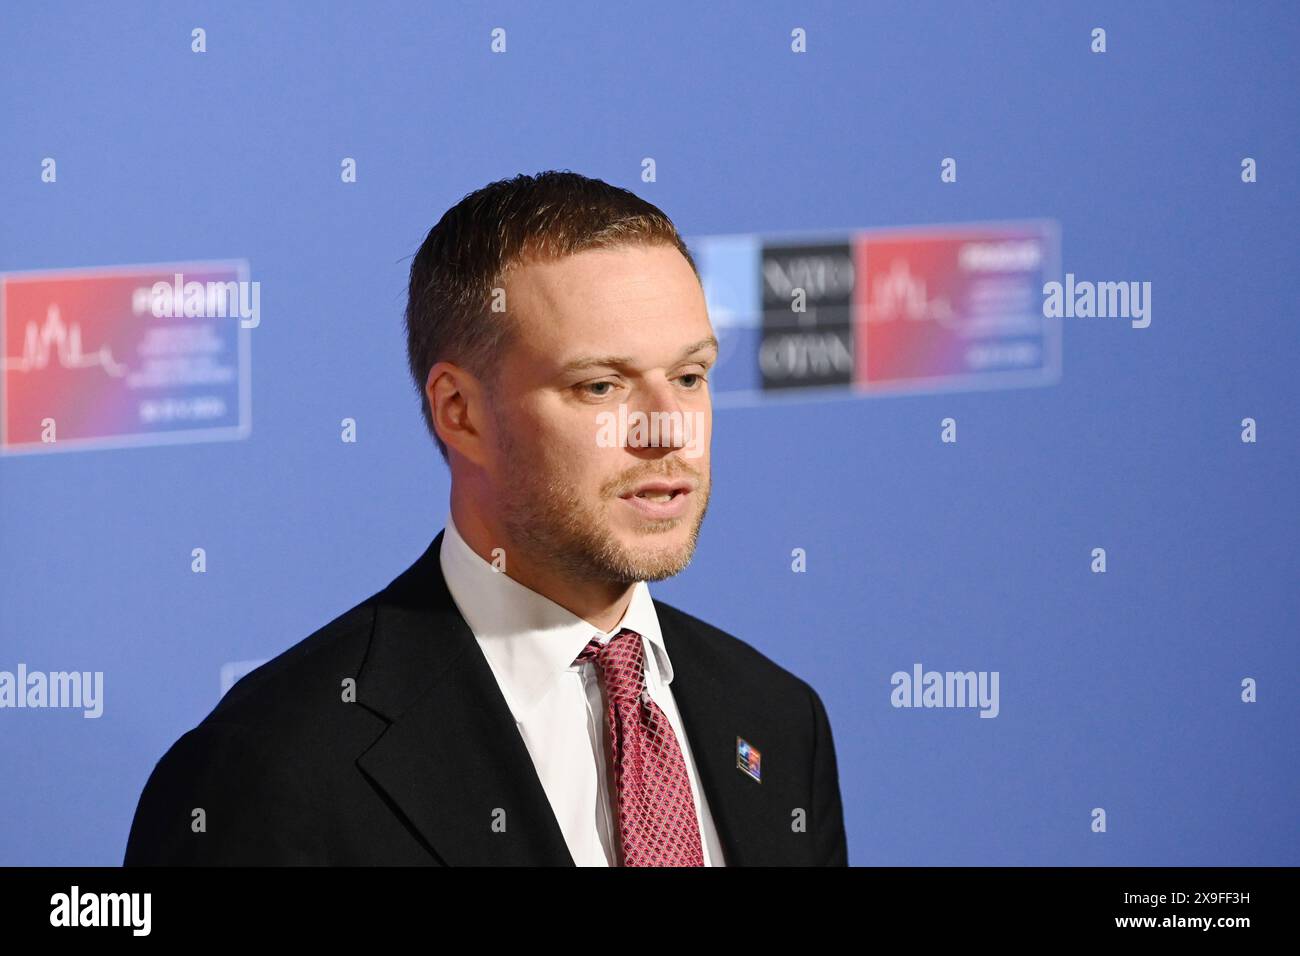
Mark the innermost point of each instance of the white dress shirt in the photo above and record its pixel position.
(530, 643)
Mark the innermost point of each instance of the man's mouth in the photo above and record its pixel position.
(660, 499)
(661, 490)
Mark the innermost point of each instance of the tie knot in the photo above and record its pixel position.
(620, 663)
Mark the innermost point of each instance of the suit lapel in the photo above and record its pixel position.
(716, 710)
(451, 760)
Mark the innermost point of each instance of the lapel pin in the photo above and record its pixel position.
(747, 758)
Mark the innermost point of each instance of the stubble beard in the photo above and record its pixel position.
(567, 536)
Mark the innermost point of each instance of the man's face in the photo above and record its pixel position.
(562, 487)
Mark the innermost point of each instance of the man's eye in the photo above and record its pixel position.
(692, 386)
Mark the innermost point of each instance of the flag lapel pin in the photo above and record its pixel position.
(748, 759)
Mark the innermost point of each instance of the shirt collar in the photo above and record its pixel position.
(528, 638)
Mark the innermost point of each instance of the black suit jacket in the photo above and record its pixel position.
(425, 764)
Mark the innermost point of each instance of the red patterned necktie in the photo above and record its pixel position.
(656, 811)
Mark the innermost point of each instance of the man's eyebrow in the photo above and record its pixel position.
(601, 361)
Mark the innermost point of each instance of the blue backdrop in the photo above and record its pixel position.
(1119, 690)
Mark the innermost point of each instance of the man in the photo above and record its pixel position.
(516, 697)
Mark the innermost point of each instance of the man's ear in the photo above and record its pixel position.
(456, 405)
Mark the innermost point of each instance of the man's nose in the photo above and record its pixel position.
(665, 424)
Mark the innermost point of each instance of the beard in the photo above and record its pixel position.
(545, 519)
